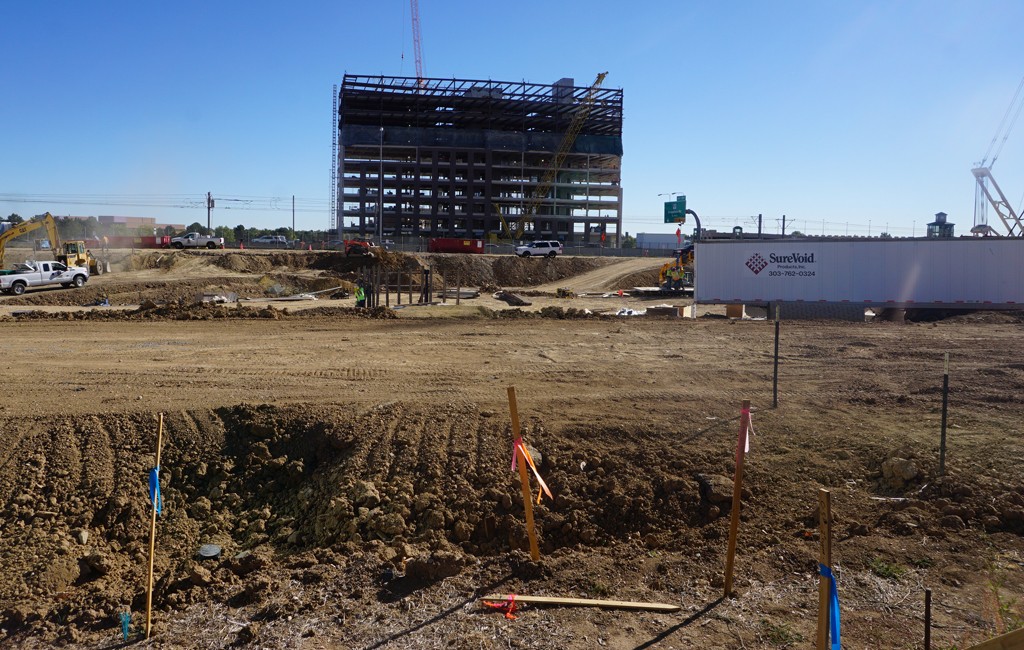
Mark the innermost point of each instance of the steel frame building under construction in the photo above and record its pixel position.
(448, 155)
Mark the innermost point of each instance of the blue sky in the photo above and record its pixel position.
(837, 114)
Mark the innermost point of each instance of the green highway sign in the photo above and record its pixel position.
(675, 211)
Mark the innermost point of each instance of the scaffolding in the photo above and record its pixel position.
(452, 157)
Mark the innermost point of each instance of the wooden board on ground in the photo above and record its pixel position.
(583, 602)
(1010, 641)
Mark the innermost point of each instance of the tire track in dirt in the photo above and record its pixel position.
(12, 448)
(371, 458)
(98, 472)
(381, 457)
(405, 454)
(344, 374)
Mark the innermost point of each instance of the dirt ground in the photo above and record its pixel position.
(354, 466)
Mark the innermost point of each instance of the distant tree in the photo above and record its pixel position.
(239, 231)
(15, 218)
(197, 228)
(224, 231)
(629, 241)
(885, 235)
(169, 230)
(283, 231)
(796, 233)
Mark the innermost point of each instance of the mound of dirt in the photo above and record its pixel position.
(298, 494)
(510, 271)
(647, 278)
(203, 311)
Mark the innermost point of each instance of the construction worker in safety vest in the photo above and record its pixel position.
(676, 274)
(360, 295)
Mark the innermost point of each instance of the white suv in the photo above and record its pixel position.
(541, 248)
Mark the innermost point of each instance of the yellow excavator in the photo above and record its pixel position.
(72, 252)
(682, 262)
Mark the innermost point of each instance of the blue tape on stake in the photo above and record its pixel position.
(126, 621)
(154, 489)
(833, 607)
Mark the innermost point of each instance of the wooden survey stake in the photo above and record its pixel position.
(824, 586)
(152, 533)
(737, 493)
(582, 602)
(524, 478)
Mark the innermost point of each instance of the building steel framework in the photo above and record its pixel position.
(452, 157)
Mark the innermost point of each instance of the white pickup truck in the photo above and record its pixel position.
(195, 240)
(41, 274)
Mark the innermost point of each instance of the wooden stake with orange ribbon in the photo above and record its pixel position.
(521, 458)
(737, 494)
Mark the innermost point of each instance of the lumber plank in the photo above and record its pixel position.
(1011, 641)
(583, 602)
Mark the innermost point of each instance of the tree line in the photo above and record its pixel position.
(91, 228)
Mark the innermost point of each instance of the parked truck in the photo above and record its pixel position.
(195, 240)
(29, 275)
(455, 245)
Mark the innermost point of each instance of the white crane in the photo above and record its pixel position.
(987, 188)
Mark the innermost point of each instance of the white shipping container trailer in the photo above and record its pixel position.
(978, 273)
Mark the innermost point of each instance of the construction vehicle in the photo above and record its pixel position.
(358, 247)
(548, 180)
(70, 253)
(682, 258)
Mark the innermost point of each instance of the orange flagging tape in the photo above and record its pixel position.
(509, 607)
(529, 461)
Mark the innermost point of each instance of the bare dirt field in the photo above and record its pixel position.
(354, 465)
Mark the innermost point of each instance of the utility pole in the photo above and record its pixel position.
(293, 216)
(783, 225)
(209, 210)
(759, 225)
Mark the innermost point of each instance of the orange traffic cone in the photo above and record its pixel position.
(241, 245)
(311, 247)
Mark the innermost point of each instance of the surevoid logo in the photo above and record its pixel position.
(756, 263)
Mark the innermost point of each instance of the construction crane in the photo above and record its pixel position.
(987, 188)
(417, 42)
(548, 180)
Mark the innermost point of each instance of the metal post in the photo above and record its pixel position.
(775, 373)
(945, 404)
(927, 619)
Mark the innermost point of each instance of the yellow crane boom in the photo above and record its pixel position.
(46, 221)
(548, 180)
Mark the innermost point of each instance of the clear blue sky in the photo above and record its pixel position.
(826, 111)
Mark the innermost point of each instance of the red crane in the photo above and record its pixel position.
(416, 41)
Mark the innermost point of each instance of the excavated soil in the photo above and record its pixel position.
(355, 472)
